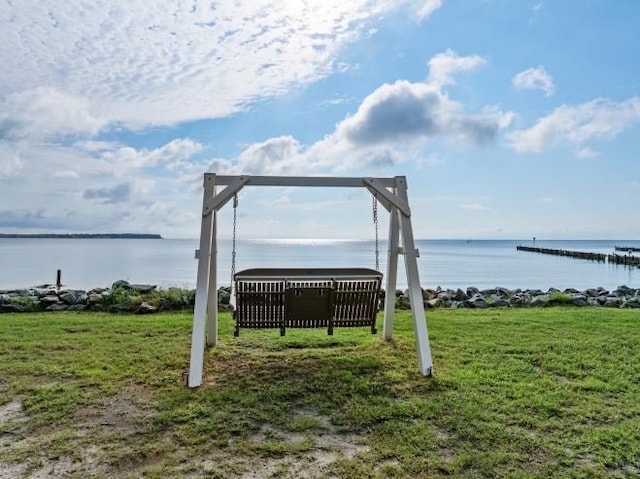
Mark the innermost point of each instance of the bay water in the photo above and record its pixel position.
(89, 263)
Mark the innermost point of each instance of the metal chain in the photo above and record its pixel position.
(233, 242)
(375, 222)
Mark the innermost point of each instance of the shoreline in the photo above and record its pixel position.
(124, 297)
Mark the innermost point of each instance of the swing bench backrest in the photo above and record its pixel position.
(306, 298)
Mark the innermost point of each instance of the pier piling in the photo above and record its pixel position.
(628, 260)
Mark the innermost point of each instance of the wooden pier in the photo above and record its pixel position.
(628, 260)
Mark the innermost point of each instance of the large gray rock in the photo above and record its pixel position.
(403, 302)
(472, 291)
(146, 308)
(143, 288)
(120, 284)
(12, 308)
(572, 291)
(433, 303)
(446, 295)
(478, 301)
(224, 296)
(504, 292)
(429, 294)
(73, 297)
(612, 302)
(579, 300)
(631, 303)
(624, 291)
(48, 300)
(94, 298)
(518, 301)
(540, 301)
(500, 302)
(460, 295)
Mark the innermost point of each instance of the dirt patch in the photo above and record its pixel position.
(12, 412)
(98, 435)
(12, 419)
(121, 414)
(12, 471)
(309, 454)
(105, 439)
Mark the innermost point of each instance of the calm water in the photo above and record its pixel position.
(88, 263)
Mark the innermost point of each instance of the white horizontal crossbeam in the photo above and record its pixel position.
(305, 181)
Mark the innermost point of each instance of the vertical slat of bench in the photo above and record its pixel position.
(264, 312)
(281, 304)
(352, 303)
(361, 302)
(252, 319)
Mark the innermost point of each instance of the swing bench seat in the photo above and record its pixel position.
(284, 298)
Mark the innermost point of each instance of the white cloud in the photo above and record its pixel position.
(443, 65)
(44, 112)
(586, 152)
(139, 64)
(576, 125)
(473, 207)
(174, 153)
(431, 161)
(118, 193)
(66, 174)
(534, 79)
(426, 8)
(10, 161)
(275, 156)
(407, 111)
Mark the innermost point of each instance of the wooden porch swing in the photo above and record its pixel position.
(306, 298)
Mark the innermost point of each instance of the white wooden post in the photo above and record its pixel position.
(392, 273)
(212, 294)
(413, 280)
(202, 287)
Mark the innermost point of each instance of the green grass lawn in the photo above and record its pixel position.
(518, 393)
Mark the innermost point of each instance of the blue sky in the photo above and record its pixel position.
(509, 119)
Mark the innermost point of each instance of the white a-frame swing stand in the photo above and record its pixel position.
(390, 192)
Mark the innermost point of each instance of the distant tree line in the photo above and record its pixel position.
(84, 235)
